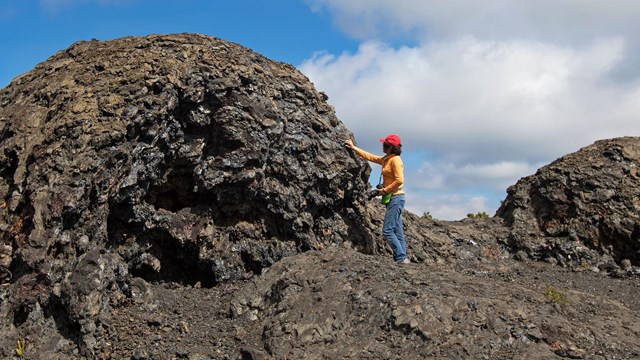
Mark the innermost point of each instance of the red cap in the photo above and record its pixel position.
(393, 140)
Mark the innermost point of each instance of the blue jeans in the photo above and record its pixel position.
(392, 228)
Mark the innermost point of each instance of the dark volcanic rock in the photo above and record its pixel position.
(170, 142)
(346, 305)
(179, 158)
(583, 208)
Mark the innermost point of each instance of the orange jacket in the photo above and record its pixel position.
(392, 170)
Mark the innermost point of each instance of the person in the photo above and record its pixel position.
(393, 181)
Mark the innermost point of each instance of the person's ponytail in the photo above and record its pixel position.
(396, 150)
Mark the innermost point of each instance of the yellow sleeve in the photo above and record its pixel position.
(368, 156)
(397, 173)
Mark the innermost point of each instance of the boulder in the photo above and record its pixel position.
(583, 208)
(172, 158)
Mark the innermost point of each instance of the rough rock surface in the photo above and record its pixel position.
(582, 209)
(180, 196)
(417, 311)
(177, 158)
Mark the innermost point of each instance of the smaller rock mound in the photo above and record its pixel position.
(583, 207)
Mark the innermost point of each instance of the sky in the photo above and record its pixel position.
(482, 92)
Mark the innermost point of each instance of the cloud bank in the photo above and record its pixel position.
(487, 92)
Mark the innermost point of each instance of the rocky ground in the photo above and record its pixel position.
(341, 304)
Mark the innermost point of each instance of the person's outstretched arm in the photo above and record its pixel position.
(363, 154)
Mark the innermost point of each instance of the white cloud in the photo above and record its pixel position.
(450, 190)
(499, 19)
(478, 101)
(491, 91)
(448, 206)
(451, 175)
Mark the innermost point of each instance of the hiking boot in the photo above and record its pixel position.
(405, 261)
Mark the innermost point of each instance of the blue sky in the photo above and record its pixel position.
(481, 92)
(284, 30)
